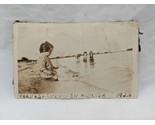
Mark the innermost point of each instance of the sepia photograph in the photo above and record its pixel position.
(76, 60)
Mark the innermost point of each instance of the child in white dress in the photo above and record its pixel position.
(47, 69)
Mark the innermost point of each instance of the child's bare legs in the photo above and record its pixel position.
(48, 74)
(54, 75)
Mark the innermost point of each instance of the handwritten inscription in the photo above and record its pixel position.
(123, 95)
(60, 96)
(72, 96)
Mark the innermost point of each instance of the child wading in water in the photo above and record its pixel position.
(46, 67)
(85, 57)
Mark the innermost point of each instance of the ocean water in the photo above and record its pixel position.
(109, 73)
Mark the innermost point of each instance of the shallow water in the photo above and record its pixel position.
(109, 73)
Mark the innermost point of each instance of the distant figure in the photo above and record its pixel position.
(85, 57)
(78, 58)
(91, 58)
(46, 67)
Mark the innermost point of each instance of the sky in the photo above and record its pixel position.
(73, 38)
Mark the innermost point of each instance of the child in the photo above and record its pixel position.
(91, 58)
(78, 58)
(46, 67)
(85, 57)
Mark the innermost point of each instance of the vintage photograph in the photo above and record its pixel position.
(75, 60)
